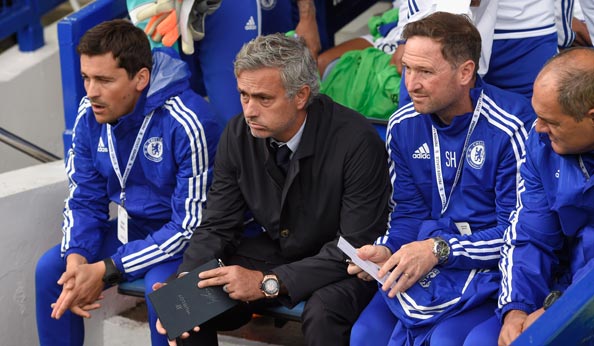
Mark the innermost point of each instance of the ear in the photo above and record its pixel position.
(466, 70)
(142, 78)
(302, 96)
(590, 116)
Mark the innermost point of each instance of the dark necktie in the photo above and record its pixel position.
(282, 156)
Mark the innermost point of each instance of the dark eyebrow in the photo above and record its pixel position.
(256, 95)
(102, 78)
(547, 121)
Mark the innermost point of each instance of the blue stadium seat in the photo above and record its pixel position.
(570, 321)
(132, 288)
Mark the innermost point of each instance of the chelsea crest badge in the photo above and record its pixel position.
(153, 149)
(475, 155)
(268, 4)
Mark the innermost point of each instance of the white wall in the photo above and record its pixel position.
(31, 100)
(31, 203)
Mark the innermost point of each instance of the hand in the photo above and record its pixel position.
(396, 59)
(531, 318)
(159, 327)
(409, 264)
(512, 327)
(582, 36)
(308, 26)
(82, 287)
(240, 283)
(376, 254)
(163, 331)
(67, 280)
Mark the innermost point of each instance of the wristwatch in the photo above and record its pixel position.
(270, 285)
(441, 250)
(550, 299)
(112, 275)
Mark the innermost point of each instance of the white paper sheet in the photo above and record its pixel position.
(368, 266)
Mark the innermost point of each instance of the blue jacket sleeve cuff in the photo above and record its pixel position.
(390, 245)
(513, 306)
(117, 260)
(78, 251)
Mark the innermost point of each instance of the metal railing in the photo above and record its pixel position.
(26, 147)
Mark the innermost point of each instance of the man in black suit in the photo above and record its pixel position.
(333, 181)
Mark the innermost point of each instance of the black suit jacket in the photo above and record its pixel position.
(337, 184)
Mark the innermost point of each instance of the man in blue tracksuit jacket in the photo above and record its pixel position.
(145, 142)
(454, 158)
(550, 243)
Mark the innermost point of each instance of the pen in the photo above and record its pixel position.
(221, 264)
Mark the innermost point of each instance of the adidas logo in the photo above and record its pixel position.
(422, 152)
(101, 147)
(251, 24)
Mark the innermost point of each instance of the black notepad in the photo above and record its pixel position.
(181, 305)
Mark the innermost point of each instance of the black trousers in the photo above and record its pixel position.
(327, 318)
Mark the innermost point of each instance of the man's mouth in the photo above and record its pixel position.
(417, 96)
(255, 125)
(97, 106)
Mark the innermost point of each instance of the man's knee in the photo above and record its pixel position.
(49, 266)
(375, 324)
(332, 310)
(361, 333)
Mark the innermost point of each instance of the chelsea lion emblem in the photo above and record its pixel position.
(268, 4)
(475, 155)
(153, 149)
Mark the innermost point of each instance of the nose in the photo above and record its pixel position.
(91, 89)
(250, 108)
(541, 126)
(410, 80)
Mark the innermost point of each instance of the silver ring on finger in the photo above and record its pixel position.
(226, 289)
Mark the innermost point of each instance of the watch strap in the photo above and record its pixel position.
(112, 274)
(551, 298)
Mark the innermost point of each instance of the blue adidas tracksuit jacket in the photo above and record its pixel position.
(166, 189)
(553, 225)
(483, 198)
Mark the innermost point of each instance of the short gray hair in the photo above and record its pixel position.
(574, 71)
(289, 54)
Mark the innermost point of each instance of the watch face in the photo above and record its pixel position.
(441, 250)
(270, 286)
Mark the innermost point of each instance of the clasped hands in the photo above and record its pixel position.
(407, 265)
(240, 283)
(82, 287)
(514, 323)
